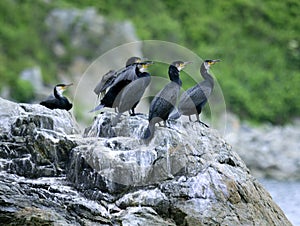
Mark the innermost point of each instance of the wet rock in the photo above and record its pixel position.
(46, 201)
(187, 174)
(34, 140)
(135, 216)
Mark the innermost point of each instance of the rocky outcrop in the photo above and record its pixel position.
(268, 151)
(187, 174)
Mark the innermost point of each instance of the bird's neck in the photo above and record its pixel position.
(57, 94)
(174, 75)
(137, 71)
(205, 74)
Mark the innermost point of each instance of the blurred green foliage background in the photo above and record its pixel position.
(258, 42)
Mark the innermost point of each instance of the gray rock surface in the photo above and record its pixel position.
(187, 175)
(269, 151)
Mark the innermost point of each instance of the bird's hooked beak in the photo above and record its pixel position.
(66, 86)
(212, 62)
(182, 65)
(187, 62)
(146, 64)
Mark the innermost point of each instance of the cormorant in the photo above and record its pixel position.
(129, 72)
(106, 81)
(133, 92)
(112, 97)
(109, 78)
(193, 100)
(57, 100)
(164, 102)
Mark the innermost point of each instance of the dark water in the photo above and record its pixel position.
(287, 196)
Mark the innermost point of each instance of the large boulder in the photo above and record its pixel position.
(187, 174)
(34, 139)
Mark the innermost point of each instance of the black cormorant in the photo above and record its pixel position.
(109, 78)
(112, 96)
(106, 81)
(133, 92)
(165, 101)
(193, 100)
(57, 100)
(129, 72)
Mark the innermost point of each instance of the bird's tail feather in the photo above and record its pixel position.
(175, 114)
(100, 106)
(149, 132)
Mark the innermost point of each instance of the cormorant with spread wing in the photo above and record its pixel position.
(109, 78)
(112, 96)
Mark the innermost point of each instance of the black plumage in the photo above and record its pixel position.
(129, 72)
(57, 100)
(164, 102)
(112, 97)
(106, 81)
(109, 79)
(133, 92)
(194, 99)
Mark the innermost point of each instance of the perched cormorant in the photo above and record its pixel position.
(57, 100)
(106, 81)
(193, 100)
(109, 78)
(112, 97)
(133, 92)
(164, 102)
(129, 72)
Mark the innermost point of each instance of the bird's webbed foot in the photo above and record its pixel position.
(134, 114)
(202, 123)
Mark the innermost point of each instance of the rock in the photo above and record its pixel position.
(187, 174)
(46, 201)
(135, 216)
(269, 151)
(34, 140)
(193, 174)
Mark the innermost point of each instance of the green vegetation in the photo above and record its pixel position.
(258, 42)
